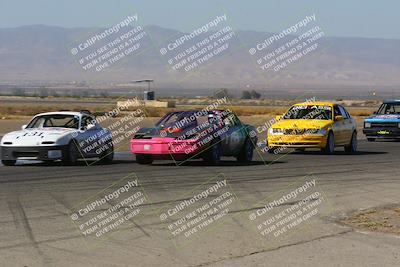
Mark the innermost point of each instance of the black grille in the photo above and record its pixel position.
(23, 154)
(297, 131)
(383, 124)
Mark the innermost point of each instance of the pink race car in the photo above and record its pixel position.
(184, 135)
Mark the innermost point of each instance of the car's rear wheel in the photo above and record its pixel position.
(371, 139)
(8, 162)
(72, 154)
(108, 155)
(352, 147)
(246, 154)
(213, 154)
(330, 144)
(144, 159)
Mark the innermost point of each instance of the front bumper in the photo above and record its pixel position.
(33, 152)
(164, 146)
(382, 133)
(297, 141)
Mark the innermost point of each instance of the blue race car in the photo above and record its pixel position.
(385, 123)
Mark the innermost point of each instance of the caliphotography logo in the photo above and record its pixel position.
(199, 133)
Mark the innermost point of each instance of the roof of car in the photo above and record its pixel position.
(321, 103)
(73, 113)
(392, 101)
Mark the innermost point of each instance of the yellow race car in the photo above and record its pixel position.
(323, 125)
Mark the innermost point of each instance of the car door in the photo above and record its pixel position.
(235, 135)
(338, 126)
(88, 138)
(347, 126)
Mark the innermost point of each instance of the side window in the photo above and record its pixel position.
(337, 111)
(344, 112)
(348, 114)
(88, 122)
(237, 121)
(231, 120)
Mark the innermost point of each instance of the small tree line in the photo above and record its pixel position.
(44, 92)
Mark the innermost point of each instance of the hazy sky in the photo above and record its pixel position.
(359, 18)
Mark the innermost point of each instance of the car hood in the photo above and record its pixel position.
(158, 132)
(35, 137)
(383, 118)
(302, 124)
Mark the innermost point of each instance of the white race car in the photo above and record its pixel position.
(65, 136)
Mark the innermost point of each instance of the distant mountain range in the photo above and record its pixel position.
(43, 53)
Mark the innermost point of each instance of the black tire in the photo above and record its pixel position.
(8, 162)
(246, 154)
(213, 154)
(371, 139)
(144, 159)
(272, 150)
(352, 147)
(72, 154)
(329, 148)
(108, 155)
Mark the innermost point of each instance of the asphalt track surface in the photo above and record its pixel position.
(37, 200)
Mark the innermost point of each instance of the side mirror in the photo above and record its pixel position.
(375, 112)
(23, 127)
(338, 118)
(277, 118)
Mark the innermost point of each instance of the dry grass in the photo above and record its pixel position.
(240, 107)
(18, 111)
(12, 111)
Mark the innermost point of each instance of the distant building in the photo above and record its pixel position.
(149, 95)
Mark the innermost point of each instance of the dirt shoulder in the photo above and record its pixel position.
(386, 220)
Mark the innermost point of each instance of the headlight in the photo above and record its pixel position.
(321, 131)
(368, 125)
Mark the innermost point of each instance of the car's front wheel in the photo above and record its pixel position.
(72, 154)
(352, 146)
(144, 159)
(8, 162)
(330, 144)
(213, 154)
(246, 154)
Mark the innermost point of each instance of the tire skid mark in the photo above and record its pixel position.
(22, 223)
(116, 171)
(133, 221)
(69, 207)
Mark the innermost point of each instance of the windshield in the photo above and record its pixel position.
(389, 109)
(310, 112)
(178, 120)
(46, 121)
